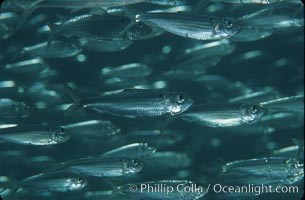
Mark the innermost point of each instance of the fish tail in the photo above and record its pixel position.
(26, 14)
(75, 97)
(53, 28)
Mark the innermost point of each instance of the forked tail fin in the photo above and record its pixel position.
(75, 98)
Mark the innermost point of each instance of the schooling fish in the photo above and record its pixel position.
(100, 166)
(134, 103)
(227, 115)
(34, 135)
(284, 169)
(200, 27)
(54, 183)
(30, 6)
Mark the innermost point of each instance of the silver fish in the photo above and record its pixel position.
(273, 18)
(132, 70)
(135, 103)
(226, 115)
(159, 190)
(284, 169)
(256, 97)
(286, 104)
(58, 49)
(30, 6)
(34, 135)
(194, 26)
(92, 128)
(252, 34)
(13, 109)
(100, 166)
(54, 183)
(135, 151)
(83, 27)
(8, 22)
(215, 48)
(27, 67)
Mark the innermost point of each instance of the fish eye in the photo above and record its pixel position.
(254, 109)
(229, 23)
(134, 162)
(181, 98)
(62, 131)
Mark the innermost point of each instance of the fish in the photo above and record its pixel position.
(92, 128)
(164, 189)
(274, 18)
(283, 169)
(226, 115)
(265, 94)
(15, 109)
(27, 67)
(135, 151)
(83, 27)
(30, 6)
(34, 135)
(134, 103)
(293, 104)
(252, 34)
(8, 22)
(216, 48)
(99, 166)
(131, 70)
(200, 27)
(58, 49)
(54, 183)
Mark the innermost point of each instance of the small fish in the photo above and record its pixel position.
(58, 49)
(134, 151)
(132, 70)
(13, 109)
(216, 48)
(158, 190)
(273, 18)
(252, 34)
(194, 26)
(34, 135)
(100, 166)
(27, 67)
(135, 103)
(30, 6)
(226, 115)
(92, 128)
(293, 104)
(54, 183)
(8, 22)
(256, 97)
(83, 27)
(284, 169)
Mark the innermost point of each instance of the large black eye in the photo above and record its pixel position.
(181, 98)
(254, 109)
